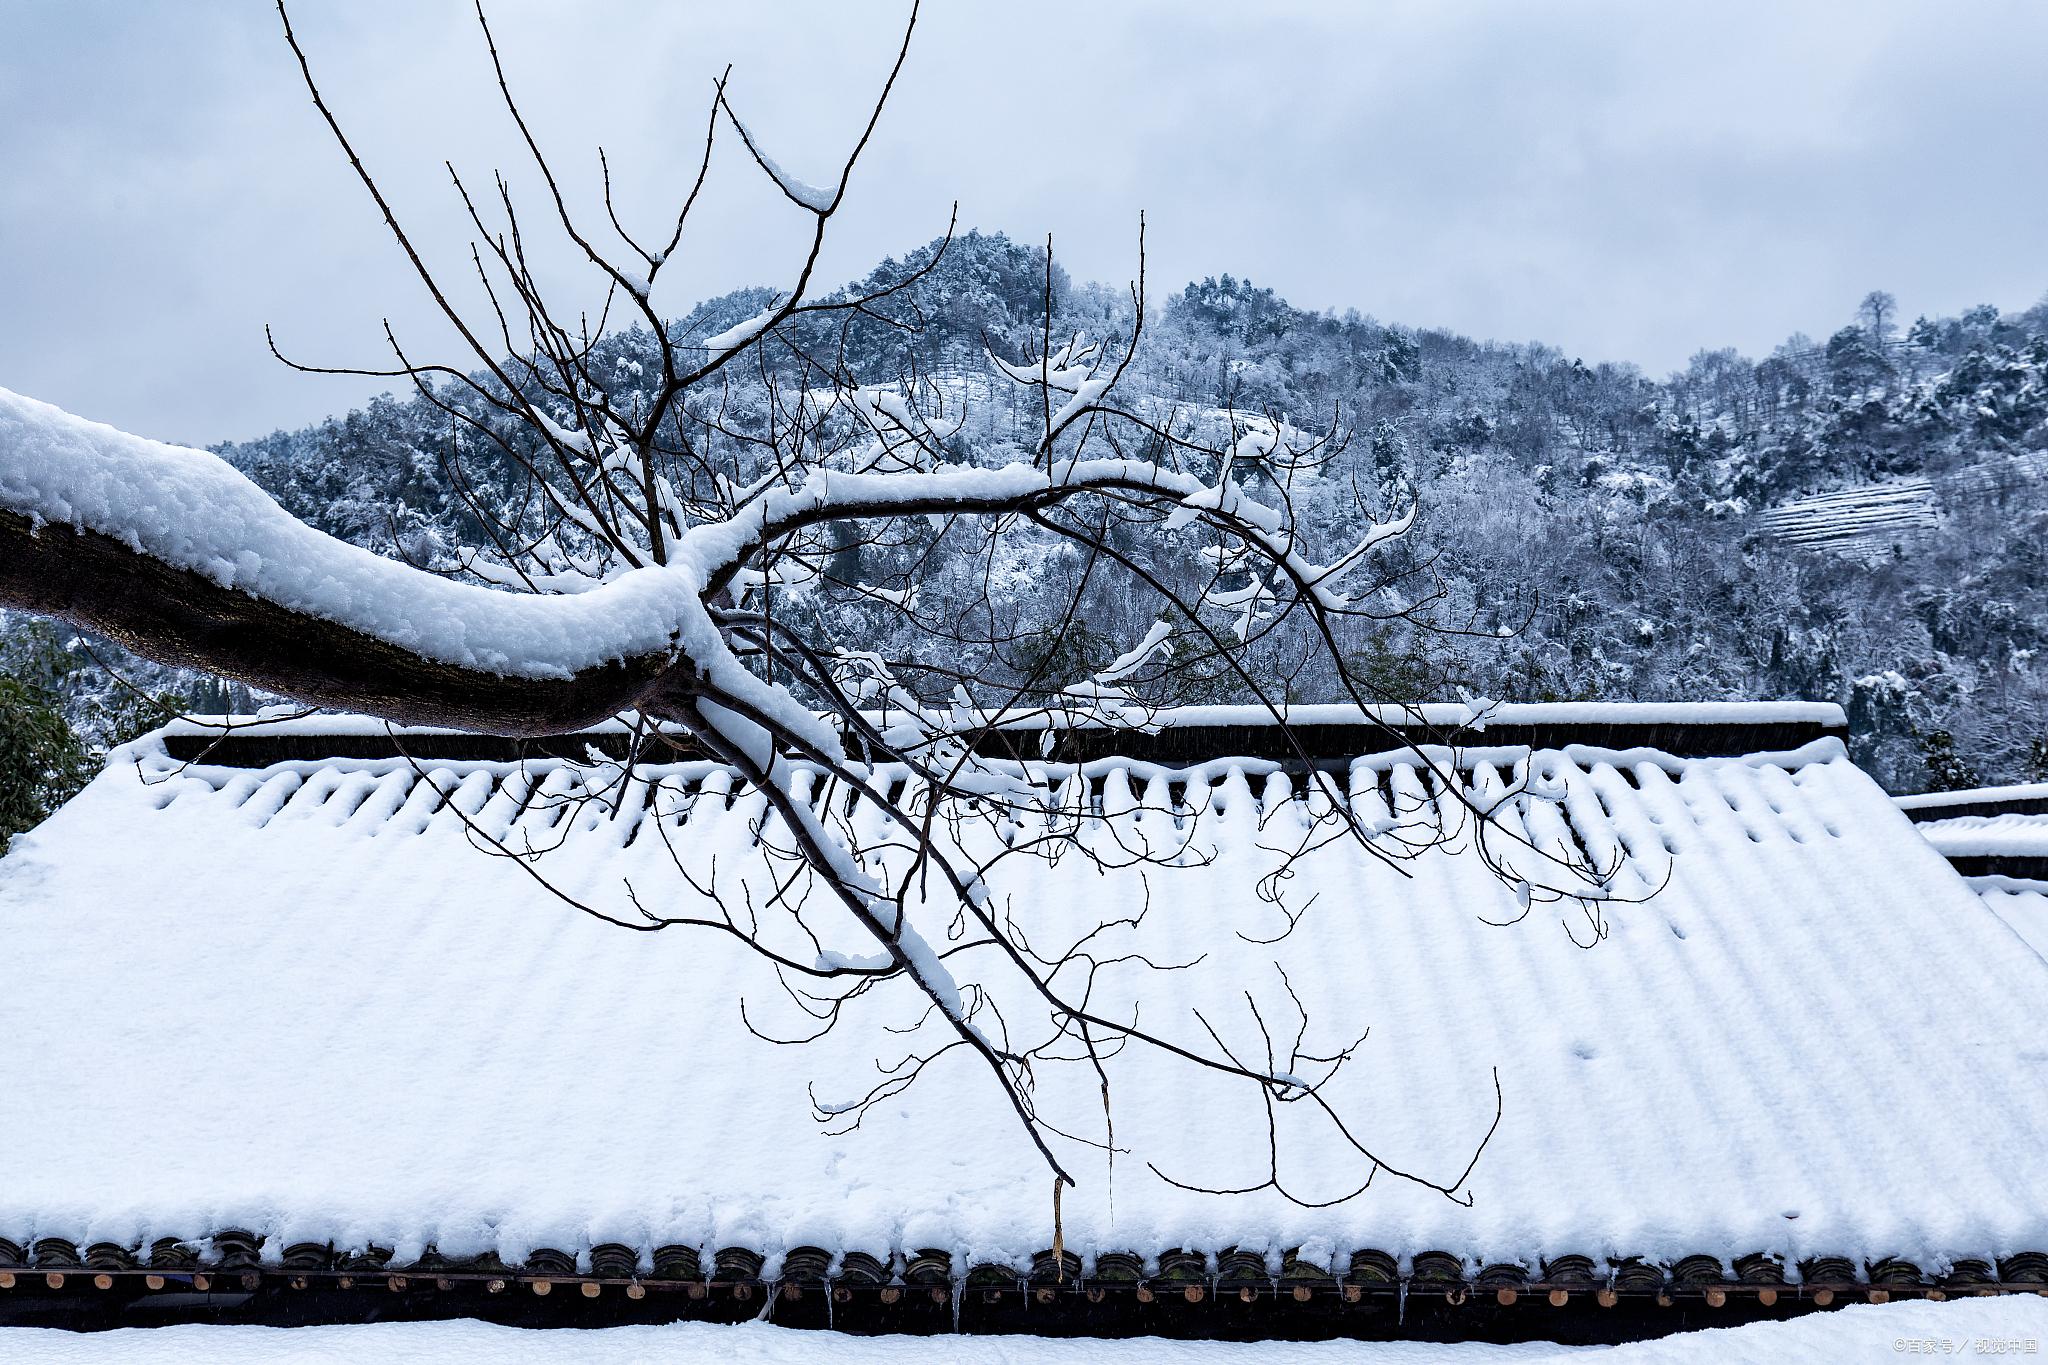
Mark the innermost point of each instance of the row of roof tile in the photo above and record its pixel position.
(238, 1250)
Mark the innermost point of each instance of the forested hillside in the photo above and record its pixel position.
(1588, 532)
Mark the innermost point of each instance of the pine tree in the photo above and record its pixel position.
(41, 761)
(1946, 770)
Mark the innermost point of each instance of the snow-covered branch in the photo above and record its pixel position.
(832, 585)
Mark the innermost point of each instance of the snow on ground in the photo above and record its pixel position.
(2012, 1327)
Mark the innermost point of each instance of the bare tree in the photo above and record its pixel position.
(684, 550)
(1876, 312)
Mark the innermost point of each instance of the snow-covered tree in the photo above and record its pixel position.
(832, 582)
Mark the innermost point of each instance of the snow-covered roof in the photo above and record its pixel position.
(1994, 835)
(296, 1000)
(2009, 836)
(2018, 796)
(1997, 837)
(2021, 903)
(1478, 715)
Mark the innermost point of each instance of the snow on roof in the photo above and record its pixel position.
(1478, 715)
(1990, 834)
(1480, 712)
(1925, 805)
(1180, 735)
(297, 1000)
(2023, 905)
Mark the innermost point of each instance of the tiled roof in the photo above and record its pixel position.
(297, 1003)
(2002, 833)
(2021, 904)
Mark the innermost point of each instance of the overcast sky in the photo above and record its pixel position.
(1628, 181)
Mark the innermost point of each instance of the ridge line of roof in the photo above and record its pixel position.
(1217, 769)
(1476, 716)
(1329, 735)
(2017, 798)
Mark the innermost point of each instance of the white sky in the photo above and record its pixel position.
(1629, 181)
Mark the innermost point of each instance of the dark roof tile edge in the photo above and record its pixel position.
(1322, 740)
(238, 1251)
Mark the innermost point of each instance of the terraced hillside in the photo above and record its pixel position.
(1868, 521)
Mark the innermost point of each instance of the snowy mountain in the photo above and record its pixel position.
(1863, 520)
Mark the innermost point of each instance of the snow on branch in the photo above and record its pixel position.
(821, 586)
(816, 198)
(740, 333)
(192, 510)
(1155, 643)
